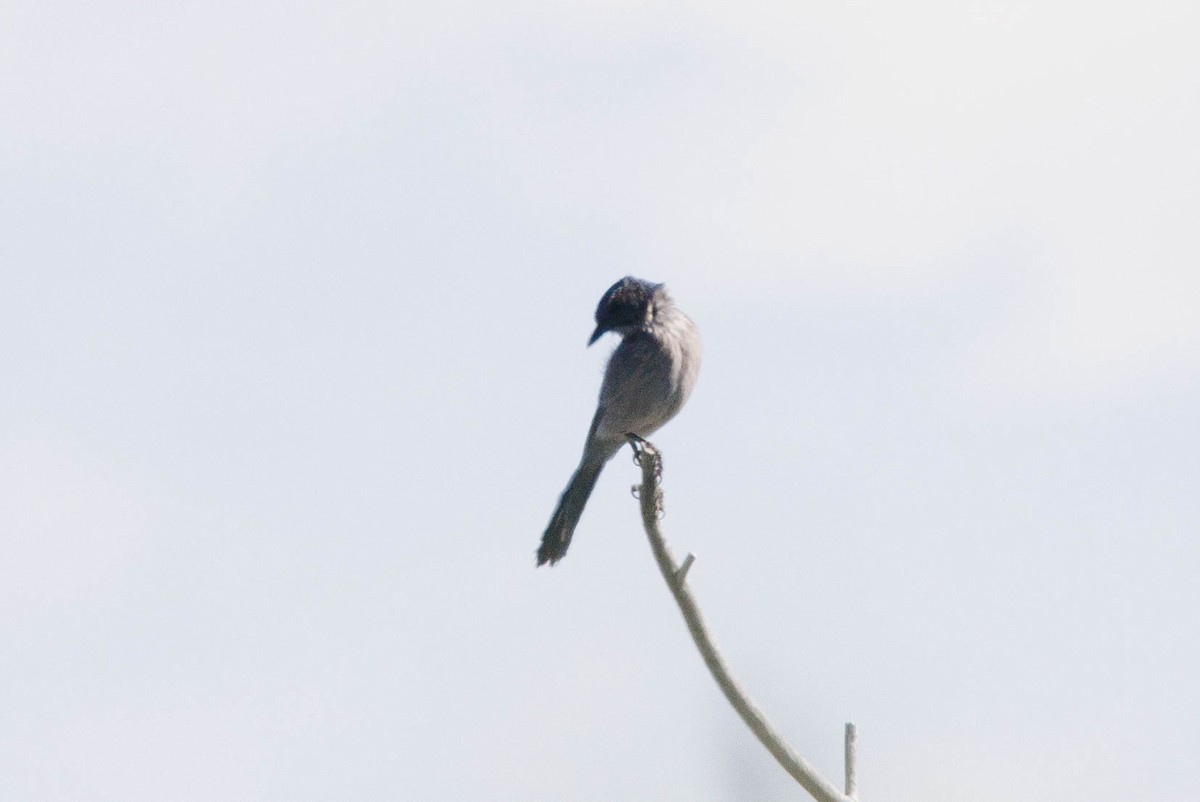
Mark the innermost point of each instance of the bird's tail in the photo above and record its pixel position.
(562, 524)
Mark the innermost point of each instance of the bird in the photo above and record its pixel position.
(649, 378)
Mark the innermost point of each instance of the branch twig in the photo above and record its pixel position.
(851, 760)
(650, 496)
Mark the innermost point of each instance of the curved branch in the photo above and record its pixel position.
(650, 495)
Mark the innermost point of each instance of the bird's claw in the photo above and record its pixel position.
(643, 448)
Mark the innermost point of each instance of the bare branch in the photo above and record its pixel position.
(650, 497)
(851, 760)
(681, 574)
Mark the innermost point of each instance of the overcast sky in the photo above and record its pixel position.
(293, 307)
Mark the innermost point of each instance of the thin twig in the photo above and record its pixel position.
(681, 574)
(851, 760)
(650, 497)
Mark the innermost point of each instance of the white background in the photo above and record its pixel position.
(293, 303)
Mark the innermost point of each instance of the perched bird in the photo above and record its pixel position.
(649, 377)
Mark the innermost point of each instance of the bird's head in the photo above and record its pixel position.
(626, 306)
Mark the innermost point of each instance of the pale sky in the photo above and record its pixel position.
(293, 307)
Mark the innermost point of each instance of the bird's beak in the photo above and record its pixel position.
(600, 330)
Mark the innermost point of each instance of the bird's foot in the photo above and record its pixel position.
(644, 449)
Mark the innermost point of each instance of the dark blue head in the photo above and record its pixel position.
(626, 306)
